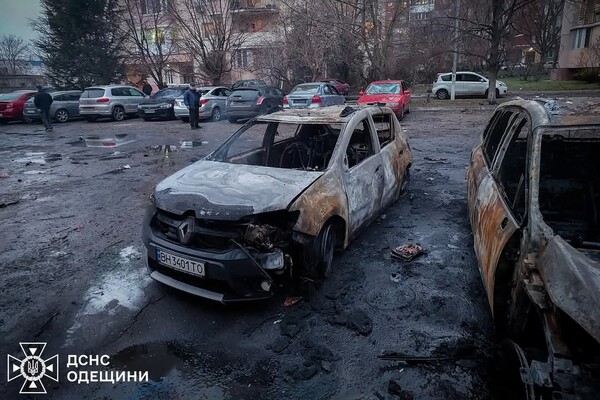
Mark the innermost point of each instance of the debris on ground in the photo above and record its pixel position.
(290, 301)
(4, 175)
(430, 179)
(441, 160)
(9, 202)
(407, 252)
(395, 389)
(395, 277)
(359, 321)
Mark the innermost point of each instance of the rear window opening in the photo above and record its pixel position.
(281, 145)
(92, 93)
(569, 193)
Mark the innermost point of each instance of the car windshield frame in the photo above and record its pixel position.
(383, 88)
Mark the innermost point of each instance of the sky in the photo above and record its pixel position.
(15, 15)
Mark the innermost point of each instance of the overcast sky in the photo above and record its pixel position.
(15, 16)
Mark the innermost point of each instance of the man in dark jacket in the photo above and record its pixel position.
(43, 100)
(147, 88)
(191, 98)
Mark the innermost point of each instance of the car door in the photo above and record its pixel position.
(363, 173)
(326, 95)
(392, 151)
(73, 104)
(58, 102)
(405, 95)
(472, 84)
(336, 97)
(134, 98)
(497, 181)
(222, 100)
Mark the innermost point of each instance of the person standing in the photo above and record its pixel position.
(191, 98)
(147, 88)
(43, 100)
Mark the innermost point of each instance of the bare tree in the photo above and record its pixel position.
(14, 52)
(150, 31)
(486, 26)
(206, 31)
(589, 61)
(540, 22)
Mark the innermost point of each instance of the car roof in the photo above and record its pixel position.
(576, 112)
(387, 81)
(58, 93)
(324, 115)
(460, 72)
(109, 86)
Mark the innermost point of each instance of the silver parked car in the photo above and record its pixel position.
(65, 106)
(467, 84)
(114, 101)
(212, 104)
(313, 95)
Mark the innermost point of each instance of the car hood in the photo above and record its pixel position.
(379, 98)
(572, 280)
(224, 191)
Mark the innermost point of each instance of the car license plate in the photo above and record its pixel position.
(149, 111)
(180, 263)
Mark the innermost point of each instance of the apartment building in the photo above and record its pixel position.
(580, 38)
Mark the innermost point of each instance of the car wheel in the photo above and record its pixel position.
(327, 242)
(26, 120)
(118, 113)
(232, 120)
(216, 114)
(61, 115)
(442, 94)
(401, 115)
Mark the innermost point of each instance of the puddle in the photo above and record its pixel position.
(158, 358)
(34, 172)
(109, 141)
(32, 158)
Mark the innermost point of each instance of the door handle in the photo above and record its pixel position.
(504, 223)
(378, 168)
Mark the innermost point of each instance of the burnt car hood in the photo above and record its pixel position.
(572, 281)
(224, 191)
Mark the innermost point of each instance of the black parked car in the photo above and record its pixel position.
(249, 102)
(160, 104)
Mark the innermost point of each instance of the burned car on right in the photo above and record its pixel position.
(534, 209)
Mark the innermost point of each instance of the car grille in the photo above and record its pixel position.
(207, 235)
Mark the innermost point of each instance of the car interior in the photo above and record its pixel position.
(569, 195)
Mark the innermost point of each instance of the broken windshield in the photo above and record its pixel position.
(383, 88)
(280, 145)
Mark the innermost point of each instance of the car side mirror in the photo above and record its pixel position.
(481, 80)
(361, 92)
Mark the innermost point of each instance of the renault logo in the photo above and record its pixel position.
(186, 230)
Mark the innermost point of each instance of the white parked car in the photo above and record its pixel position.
(467, 84)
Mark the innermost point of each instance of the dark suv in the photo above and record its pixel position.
(249, 102)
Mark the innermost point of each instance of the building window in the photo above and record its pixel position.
(153, 6)
(581, 38)
(420, 16)
(242, 59)
(423, 2)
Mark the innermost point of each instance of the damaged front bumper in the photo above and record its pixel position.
(240, 272)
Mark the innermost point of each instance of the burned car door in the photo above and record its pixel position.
(363, 173)
(497, 186)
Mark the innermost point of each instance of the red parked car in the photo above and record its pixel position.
(11, 105)
(394, 94)
(341, 87)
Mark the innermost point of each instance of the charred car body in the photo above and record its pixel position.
(276, 199)
(534, 208)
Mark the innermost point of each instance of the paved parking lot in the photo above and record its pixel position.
(71, 208)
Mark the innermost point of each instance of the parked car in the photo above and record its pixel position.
(341, 87)
(533, 200)
(248, 83)
(312, 95)
(248, 102)
(394, 94)
(161, 104)
(288, 188)
(65, 106)
(11, 105)
(113, 101)
(467, 84)
(212, 104)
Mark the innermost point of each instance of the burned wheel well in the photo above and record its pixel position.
(339, 224)
(503, 282)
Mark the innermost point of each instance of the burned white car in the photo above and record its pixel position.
(276, 199)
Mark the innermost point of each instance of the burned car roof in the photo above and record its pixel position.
(559, 113)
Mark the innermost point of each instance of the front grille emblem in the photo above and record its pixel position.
(185, 231)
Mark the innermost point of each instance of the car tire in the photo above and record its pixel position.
(232, 120)
(61, 115)
(401, 116)
(216, 114)
(442, 94)
(327, 241)
(26, 120)
(118, 113)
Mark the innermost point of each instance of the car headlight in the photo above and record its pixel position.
(392, 104)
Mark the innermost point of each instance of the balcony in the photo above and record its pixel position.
(254, 6)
